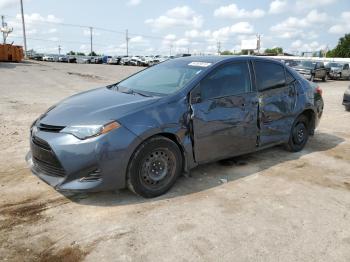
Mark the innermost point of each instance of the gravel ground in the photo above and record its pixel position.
(276, 205)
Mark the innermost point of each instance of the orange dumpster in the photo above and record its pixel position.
(11, 53)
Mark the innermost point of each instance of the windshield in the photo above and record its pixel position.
(308, 64)
(164, 78)
(335, 65)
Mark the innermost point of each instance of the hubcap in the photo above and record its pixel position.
(299, 133)
(158, 167)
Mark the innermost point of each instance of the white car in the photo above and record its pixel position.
(48, 58)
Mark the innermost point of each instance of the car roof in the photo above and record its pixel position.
(216, 58)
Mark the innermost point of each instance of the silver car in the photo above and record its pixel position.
(339, 70)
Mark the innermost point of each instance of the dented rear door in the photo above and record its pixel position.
(276, 102)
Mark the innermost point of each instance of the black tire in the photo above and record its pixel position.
(347, 108)
(299, 134)
(324, 79)
(312, 78)
(154, 167)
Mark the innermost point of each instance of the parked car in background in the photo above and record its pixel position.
(72, 59)
(135, 61)
(115, 60)
(48, 58)
(311, 70)
(96, 60)
(144, 131)
(83, 60)
(125, 60)
(339, 70)
(346, 99)
(105, 59)
(63, 59)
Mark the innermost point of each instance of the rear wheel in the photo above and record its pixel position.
(347, 108)
(299, 134)
(154, 168)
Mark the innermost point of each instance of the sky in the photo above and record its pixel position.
(171, 27)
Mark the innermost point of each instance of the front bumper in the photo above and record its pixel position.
(69, 164)
(346, 99)
(334, 74)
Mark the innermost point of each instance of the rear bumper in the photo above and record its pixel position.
(91, 165)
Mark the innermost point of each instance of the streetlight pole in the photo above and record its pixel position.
(24, 31)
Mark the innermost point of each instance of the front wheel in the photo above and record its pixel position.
(299, 134)
(154, 167)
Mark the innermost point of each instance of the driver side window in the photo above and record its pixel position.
(227, 80)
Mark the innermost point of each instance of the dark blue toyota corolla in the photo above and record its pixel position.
(144, 131)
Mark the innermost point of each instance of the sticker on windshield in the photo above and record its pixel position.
(201, 64)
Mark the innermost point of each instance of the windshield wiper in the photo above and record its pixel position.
(130, 91)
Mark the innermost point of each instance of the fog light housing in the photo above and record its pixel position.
(92, 176)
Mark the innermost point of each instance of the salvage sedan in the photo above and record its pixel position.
(146, 130)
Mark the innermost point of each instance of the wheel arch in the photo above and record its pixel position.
(311, 116)
(171, 136)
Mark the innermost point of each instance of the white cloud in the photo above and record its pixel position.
(232, 11)
(302, 46)
(238, 28)
(134, 2)
(35, 17)
(8, 3)
(198, 34)
(86, 32)
(343, 26)
(294, 26)
(52, 30)
(278, 6)
(178, 16)
(309, 4)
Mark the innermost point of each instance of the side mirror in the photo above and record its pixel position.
(195, 96)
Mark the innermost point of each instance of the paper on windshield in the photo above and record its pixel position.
(201, 64)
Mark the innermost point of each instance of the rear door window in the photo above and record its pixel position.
(269, 75)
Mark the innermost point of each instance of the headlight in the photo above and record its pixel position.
(87, 131)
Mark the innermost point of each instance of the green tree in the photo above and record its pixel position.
(81, 53)
(92, 54)
(274, 51)
(226, 52)
(71, 53)
(342, 49)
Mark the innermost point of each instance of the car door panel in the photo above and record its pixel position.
(276, 102)
(225, 127)
(276, 107)
(224, 119)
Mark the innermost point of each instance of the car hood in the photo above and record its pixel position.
(302, 68)
(97, 106)
(335, 68)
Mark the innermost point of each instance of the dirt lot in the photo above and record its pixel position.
(276, 206)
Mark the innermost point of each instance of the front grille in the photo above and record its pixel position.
(44, 159)
(47, 168)
(50, 128)
(41, 143)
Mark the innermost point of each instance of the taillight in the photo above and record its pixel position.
(318, 90)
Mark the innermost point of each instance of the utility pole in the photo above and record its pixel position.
(24, 31)
(3, 26)
(171, 46)
(127, 42)
(258, 37)
(59, 50)
(219, 47)
(90, 40)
